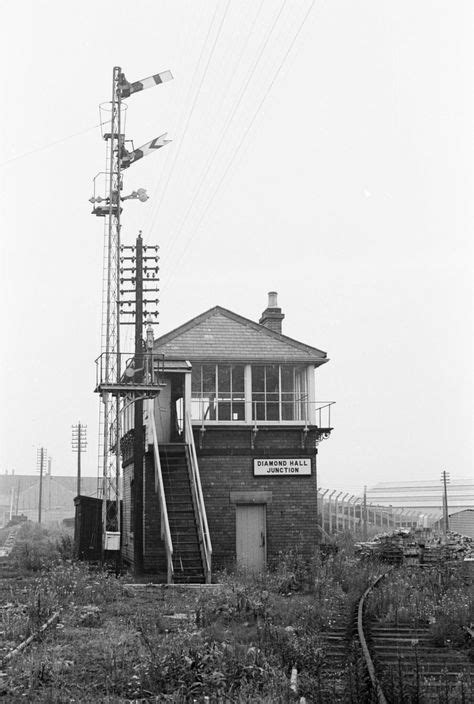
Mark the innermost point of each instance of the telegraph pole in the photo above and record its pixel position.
(445, 480)
(364, 514)
(139, 436)
(79, 445)
(40, 463)
(136, 271)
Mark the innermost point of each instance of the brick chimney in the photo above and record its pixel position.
(272, 315)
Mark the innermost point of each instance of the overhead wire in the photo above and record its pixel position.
(191, 24)
(230, 117)
(246, 87)
(193, 106)
(239, 146)
(51, 144)
(169, 152)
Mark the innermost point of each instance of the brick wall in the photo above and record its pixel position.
(154, 558)
(226, 465)
(225, 458)
(127, 537)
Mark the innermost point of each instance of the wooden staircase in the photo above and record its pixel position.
(187, 556)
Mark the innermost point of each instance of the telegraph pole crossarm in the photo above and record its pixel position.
(79, 445)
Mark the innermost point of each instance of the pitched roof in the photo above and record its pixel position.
(220, 335)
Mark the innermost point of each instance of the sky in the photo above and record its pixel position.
(323, 150)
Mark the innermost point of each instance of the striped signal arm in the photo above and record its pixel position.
(126, 89)
(127, 158)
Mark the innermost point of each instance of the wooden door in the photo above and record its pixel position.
(251, 536)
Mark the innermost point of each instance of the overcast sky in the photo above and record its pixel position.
(327, 156)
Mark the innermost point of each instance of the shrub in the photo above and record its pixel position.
(37, 547)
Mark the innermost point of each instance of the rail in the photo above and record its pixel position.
(204, 536)
(159, 487)
(363, 642)
(261, 409)
(129, 368)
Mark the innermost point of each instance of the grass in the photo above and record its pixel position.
(237, 643)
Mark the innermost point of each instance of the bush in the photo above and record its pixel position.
(37, 547)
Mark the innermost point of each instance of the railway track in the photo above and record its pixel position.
(6, 548)
(406, 666)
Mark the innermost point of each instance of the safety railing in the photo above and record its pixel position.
(287, 409)
(203, 528)
(159, 488)
(129, 368)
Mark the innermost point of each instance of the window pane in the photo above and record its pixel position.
(287, 377)
(238, 378)
(287, 398)
(273, 411)
(287, 411)
(196, 379)
(223, 372)
(224, 410)
(272, 378)
(300, 379)
(258, 377)
(196, 409)
(209, 407)
(208, 378)
(238, 411)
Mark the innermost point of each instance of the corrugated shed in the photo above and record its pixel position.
(220, 335)
(462, 522)
(424, 495)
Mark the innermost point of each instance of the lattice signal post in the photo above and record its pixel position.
(107, 202)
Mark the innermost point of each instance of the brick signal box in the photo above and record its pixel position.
(229, 463)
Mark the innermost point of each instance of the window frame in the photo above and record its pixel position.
(299, 399)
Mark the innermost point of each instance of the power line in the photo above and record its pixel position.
(229, 119)
(51, 144)
(239, 146)
(178, 151)
(190, 22)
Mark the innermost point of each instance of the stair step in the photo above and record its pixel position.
(187, 546)
(199, 579)
(187, 562)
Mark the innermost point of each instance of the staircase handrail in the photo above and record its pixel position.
(159, 487)
(201, 508)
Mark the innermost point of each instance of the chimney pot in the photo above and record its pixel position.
(272, 299)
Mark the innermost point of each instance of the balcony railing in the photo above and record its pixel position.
(122, 369)
(291, 409)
